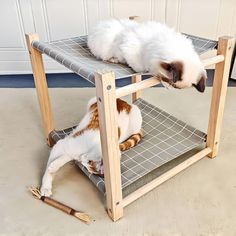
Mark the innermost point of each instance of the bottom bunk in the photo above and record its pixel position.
(166, 138)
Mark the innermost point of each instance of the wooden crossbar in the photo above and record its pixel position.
(132, 88)
(213, 60)
(150, 82)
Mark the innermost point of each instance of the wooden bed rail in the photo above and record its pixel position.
(212, 60)
(132, 88)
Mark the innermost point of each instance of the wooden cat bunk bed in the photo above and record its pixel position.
(166, 136)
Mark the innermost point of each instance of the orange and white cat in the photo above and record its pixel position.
(84, 145)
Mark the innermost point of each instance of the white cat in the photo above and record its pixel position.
(84, 145)
(149, 47)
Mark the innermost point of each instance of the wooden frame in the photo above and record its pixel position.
(135, 79)
(225, 48)
(42, 87)
(106, 95)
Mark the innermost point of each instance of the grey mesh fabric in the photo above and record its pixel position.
(56, 135)
(74, 54)
(165, 138)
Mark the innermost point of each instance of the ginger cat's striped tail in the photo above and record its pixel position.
(132, 141)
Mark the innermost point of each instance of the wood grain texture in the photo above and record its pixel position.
(41, 85)
(212, 60)
(225, 48)
(105, 90)
(135, 87)
(135, 79)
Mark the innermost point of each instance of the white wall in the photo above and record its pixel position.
(55, 19)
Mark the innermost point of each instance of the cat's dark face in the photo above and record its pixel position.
(182, 75)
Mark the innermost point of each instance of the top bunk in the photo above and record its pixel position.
(74, 54)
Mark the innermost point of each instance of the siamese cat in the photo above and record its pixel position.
(149, 47)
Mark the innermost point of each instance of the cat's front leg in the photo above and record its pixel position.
(52, 168)
(46, 187)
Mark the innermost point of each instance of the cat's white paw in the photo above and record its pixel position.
(47, 192)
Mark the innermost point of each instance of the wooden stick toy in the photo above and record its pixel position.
(70, 211)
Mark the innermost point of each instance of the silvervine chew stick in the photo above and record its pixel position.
(70, 211)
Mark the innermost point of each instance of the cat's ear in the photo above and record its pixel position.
(201, 85)
(168, 71)
(177, 70)
(174, 69)
(166, 66)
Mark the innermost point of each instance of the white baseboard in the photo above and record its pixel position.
(24, 67)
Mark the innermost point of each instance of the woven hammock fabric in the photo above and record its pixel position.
(74, 54)
(165, 139)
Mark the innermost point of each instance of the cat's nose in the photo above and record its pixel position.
(175, 78)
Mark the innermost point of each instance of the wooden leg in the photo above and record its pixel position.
(41, 86)
(106, 97)
(225, 48)
(136, 78)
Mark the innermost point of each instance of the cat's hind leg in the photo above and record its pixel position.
(52, 168)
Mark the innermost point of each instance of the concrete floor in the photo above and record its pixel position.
(199, 201)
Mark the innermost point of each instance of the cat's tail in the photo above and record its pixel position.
(132, 141)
